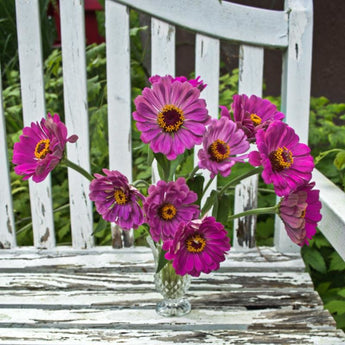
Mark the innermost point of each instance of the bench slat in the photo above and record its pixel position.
(119, 101)
(296, 78)
(162, 59)
(207, 59)
(32, 89)
(110, 296)
(251, 62)
(76, 118)
(7, 226)
(332, 223)
(89, 336)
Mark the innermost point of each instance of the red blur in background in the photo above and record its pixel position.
(91, 27)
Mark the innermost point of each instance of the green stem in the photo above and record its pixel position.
(66, 162)
(196, 168)
(264, 210)
(140, 182)
(206, 187)
(322, 155)
(239, 178)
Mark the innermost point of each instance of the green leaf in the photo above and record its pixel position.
(341, 292)
(134, 31)
(210, 201)
(196, 184)
(323, 287)
(101, 225)
(163, 166)
(215, 208)
(162, 261)
(265, 229)
(150, 157)
(336, 306)
(173, 165)
(186, 166)
(314, 259)
(224, 206)
(337, 263)
(339, 160)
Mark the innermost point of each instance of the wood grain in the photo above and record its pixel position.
(108, 296)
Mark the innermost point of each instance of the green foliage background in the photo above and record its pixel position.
(327, 132)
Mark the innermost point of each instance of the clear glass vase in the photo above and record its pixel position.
(171, 286)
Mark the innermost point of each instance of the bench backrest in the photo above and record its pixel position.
(251, 28)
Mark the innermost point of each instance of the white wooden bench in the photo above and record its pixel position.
(85, 294)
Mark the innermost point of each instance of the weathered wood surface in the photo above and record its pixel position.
(76, 119)
(32, 92)
(103, 296)
(221, 19)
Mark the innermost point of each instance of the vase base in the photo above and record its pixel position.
(173, 307)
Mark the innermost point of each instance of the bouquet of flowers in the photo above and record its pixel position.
(173, 118)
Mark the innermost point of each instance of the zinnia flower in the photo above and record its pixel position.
(198, 246)
(168, 204)
(286, 162)
(252, 114)
(117, 201)
(300, 213)
(40, 148)
(194, 82)
(171, 116)
(222, 142)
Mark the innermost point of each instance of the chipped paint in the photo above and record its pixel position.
(108, 296)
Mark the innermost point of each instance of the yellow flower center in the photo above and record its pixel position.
(120, 197)
(170, 118)
(256, 119)
(219, 150)
(42, 148)
(168, 211)
(195, 243)
(303, 213)
(281, 159)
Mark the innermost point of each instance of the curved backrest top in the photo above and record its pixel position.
(222, 20)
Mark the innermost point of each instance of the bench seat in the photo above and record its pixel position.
(104, 296)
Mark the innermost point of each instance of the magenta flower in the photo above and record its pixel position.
(252, 114)
(194, 82)
(168, 204)
(116, 201)
(198, 246)
(171, 117)
(286, 162)
(300, 213)
(41, 148)
(222, 143)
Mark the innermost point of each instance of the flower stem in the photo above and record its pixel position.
(66, 162)
(206, 187)
(264, 210)
(239, 178)
(140, 182)
(196, 168)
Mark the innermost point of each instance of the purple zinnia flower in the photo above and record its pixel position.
(40, 148)
(194, 82)
(300, 212)
(222, 142)
(198, 246)
(171, 117)
(252, 114)
(286, 162)
(168, 204)
(116, 200)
